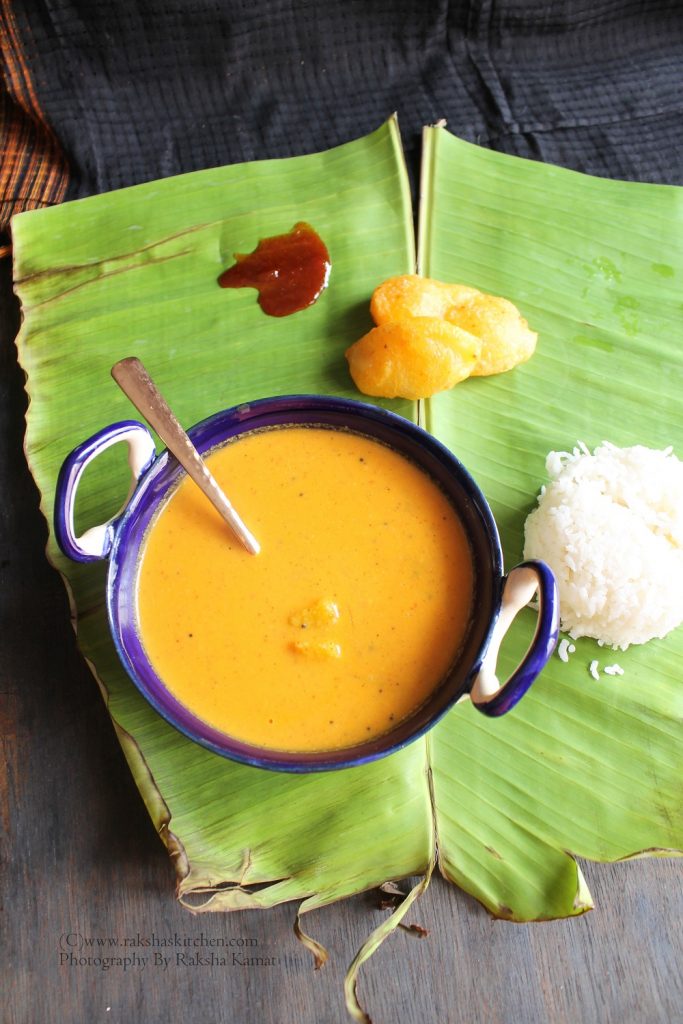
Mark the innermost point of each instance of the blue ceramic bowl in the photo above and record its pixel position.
(497, 597)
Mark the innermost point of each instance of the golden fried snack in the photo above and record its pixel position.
(414, 358)
(505, 335)
(411, 295)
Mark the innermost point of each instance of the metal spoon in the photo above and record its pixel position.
(135, 382)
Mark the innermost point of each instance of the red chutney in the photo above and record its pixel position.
(289, 271)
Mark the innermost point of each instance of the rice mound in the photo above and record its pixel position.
(610, 526)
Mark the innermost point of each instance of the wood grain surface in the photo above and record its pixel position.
(81, 864)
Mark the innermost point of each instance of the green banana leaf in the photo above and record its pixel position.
(596, 267)
(583, 767)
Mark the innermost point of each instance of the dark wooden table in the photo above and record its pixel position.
(82, 863)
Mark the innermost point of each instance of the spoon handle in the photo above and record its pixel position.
(133, 379)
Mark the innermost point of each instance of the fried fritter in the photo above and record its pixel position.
(414, 358)
(412, 295)
(504, 333)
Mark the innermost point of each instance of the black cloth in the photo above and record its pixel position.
(141, 89)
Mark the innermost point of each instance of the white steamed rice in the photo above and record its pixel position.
(610, 525)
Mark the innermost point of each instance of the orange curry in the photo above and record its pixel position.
(346, 621)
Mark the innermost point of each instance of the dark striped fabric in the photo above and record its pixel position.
(141, 89)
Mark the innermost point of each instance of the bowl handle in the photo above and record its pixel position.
(522, 582)
(96, 542)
